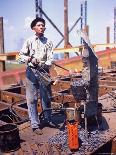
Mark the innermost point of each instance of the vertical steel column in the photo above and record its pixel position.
(81, 20)
(86, 27)
(1, 36)
(108, 35)
(38, 11)
(69, 31)
(84, 18)
(115, 25)
(40, 4)
(85, 13)
(81, 16)
(66, 33)
(36, 8)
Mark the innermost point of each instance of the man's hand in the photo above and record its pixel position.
(33, 60)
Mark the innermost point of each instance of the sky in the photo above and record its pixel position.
(18, 14)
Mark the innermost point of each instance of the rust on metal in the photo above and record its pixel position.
(13, 109)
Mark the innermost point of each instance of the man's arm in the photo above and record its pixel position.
(24, 53)
(49, 47)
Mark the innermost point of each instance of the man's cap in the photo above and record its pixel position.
(34, 22)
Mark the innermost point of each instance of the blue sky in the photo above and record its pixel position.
(18, 14)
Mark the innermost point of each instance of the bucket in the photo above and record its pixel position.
(9, 138)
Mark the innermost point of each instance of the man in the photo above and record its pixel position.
(37, 53)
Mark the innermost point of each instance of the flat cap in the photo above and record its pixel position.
(34, 22)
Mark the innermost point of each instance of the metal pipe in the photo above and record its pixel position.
(108, 35)
(66, 35)
(66, 38)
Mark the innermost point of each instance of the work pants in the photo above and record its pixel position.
(35, 87)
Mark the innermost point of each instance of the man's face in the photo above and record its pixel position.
(39, 28)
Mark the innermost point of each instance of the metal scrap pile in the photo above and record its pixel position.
(88, 145)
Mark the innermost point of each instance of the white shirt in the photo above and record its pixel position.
(40, 48)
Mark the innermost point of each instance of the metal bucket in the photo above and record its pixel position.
(9, 138)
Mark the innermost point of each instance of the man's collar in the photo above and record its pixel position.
(37, 37)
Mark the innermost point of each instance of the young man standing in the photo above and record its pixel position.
(37, 53)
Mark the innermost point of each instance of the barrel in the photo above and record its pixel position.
(9, 138)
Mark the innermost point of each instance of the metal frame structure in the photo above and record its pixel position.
(38, 11)
(1, 36)
(115, 25)
(83, 11)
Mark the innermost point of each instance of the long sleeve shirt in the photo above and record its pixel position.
(40, 48)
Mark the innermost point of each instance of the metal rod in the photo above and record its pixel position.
(60, 66)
